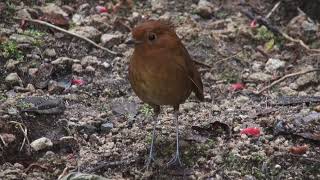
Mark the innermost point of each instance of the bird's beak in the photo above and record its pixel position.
(132, 42)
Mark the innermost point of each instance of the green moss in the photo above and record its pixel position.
(146, 110)
(9, 49)
(250, 165)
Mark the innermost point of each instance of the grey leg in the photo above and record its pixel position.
(156, 110)
(176, 157)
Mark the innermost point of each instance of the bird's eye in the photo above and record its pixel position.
(152, 36)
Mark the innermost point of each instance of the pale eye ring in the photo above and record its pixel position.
(152, 36)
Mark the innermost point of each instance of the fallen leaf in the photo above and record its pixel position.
(237, 86)
(79, 82)
(253, 131)
(101, 9)
(299, 149)
(253, 23)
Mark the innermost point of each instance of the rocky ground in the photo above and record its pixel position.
(66, 106)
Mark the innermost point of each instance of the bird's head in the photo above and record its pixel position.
(153, 34)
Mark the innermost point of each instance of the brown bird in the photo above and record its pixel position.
(161, 72)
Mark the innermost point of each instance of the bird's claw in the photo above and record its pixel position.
(149, 161)
(175, 161)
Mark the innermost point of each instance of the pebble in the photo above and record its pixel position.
(41, 143)
(106, 127)
(50, 52)
(273, 65)
(205, 9)
(260, 76)
(13, 79)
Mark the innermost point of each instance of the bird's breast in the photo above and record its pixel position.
(158, 81)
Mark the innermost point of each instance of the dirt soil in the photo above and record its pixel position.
(67, 106)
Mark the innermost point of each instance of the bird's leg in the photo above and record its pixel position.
(156, 110)
(176, 158)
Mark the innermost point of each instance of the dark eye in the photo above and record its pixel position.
(152, 36)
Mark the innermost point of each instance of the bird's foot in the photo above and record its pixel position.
(149, 161)
(175, 161)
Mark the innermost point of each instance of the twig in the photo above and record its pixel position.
(25, 134)
(273, 9)
(285, 77)
(35, 165)
(70, 33)
(65, 171)
(276, 30)
(3, 141)
(227, 58)
(202, 64)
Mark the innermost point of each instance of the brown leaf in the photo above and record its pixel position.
(299, 149)
(56, 19)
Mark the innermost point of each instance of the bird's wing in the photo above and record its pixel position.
(189, 67)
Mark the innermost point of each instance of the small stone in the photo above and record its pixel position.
(18, 166)
(109, 145)
(8, 138)
(158, 4)
(205, 9)
(50, 52)
(288, 91)
(317, 108)
(257, 66)
(308, 78)
(41, 143)
(274, 65)
(106, 65)
(54, 87)
(87, 31)
(13, 111)
(89, 60)
(244, 136)
(259, 76)
(249, 177)
(23, 13)
(52, 8)
(242, 99)
(90, 69)
(109, 40)
(13, 79)
(64, 61)
(77, 19)
(293, 86)
(106, 127)
(77, 68)
(30, 88)
(20, 39)
(11, 64)
(277, 166)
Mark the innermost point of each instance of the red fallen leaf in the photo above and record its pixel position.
(237, 86)
(299, 149)
(101, 9)
(79, 82)
(253, 23)
(254, 131)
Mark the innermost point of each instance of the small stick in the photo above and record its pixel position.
(35, 165)
(24, 130)
(273, 9)
(70, 33)
(227, 58)
(65, 171)
(285, 77)
(4, 143)
(201, 63)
